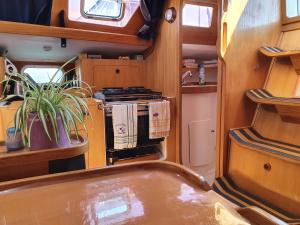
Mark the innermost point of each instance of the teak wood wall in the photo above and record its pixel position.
(163, 73)
(242, 69)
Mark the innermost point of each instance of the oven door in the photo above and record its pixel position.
(145, 146)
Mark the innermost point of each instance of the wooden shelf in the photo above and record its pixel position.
(294, 55)
(277, 52)
(208, 69)
(14, 158)
(70, 33)
(210, 87)
(25, 163)
(287, 108)
(185, 69)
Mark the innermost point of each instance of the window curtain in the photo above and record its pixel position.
(26, 11)
(152, 11)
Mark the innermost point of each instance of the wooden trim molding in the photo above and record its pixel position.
(197, 89)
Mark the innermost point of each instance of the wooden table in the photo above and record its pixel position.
(145, 193)
(26, 163)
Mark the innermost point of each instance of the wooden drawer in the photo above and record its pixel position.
(266, 175)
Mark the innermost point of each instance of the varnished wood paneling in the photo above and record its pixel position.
(277, 185)
(163, 67)
(282, 81)
(291, 26)
(244, 69)
(269, 124)
(96, 137)
(113, 73)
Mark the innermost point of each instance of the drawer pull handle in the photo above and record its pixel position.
(267, 166)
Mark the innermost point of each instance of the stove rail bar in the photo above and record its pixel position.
(142, 103)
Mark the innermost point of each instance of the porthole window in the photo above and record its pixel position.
(44, 74)
(102, 9)
(197, 15)
(114, 13)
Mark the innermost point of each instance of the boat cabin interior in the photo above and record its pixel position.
(155, 112)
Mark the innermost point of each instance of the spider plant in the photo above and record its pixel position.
(48, 102)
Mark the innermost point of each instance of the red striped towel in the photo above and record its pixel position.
(159, 119)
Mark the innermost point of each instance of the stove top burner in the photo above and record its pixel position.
(122, 91)
(126, 94)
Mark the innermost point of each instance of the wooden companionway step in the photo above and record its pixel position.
(225, 187)
(287, 108)
(250, 138)
(277, 52)
(280, 53)
(257, 174)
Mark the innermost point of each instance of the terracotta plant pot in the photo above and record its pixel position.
(39, 139)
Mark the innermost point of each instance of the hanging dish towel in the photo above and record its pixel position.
(159, 119)
(125, 125)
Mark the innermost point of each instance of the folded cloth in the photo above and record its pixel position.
(159, 119)
(124, 125)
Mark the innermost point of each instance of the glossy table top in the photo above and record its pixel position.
(138, 195)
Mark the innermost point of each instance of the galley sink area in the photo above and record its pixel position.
(199, 93)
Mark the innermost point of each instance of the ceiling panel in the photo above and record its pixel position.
(31, 48)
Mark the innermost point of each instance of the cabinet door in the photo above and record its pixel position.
(117, 76)
(94, 122)
(95, 126)
(202, 142)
